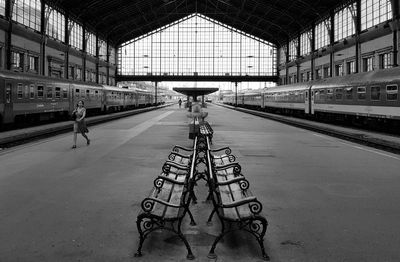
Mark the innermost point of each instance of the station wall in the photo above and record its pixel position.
(59, 60)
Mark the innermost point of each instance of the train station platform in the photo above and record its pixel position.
(325, 199)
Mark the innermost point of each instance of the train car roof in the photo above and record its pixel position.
(117, 89)
(292, 87)
(366, 78)
(29, 76)
(253, 92)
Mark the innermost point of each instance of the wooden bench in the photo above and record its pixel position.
(168, 202)
(206, 130)
(235, 206)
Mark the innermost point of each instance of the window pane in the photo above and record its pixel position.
(322, 34)
(40, 90)
(305, 43)
(91, 44)
(2, 7)
(374, 12)
(361, 93)
(76, 35)
(344, 23)
(56, 24)
(391, 92)
(27, 12)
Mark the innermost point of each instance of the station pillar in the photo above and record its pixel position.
(236, 100)
(155, 93)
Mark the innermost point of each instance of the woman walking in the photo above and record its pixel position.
(78, 115)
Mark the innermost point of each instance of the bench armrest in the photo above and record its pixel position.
(159, 181)
(172, 156)
(178, 148)
(236, 168)
(148, 204)
(228, 151)
(168, 164)
(243, 182)
(230, 158)
(254, 205)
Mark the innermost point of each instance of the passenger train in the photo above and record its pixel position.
(30, 98)
(368, 97)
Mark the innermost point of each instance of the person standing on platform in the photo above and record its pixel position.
(78, 115)
(180, 102)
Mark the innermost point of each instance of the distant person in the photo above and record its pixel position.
(180, 102)
(78, 115)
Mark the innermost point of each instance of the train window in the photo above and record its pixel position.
(32, 91)
(65, 92)
(391, 92)
(321, 94)
(19, 91)
(349, 93)
(77, 92)
(49, 92)
(87, 93)
(375, 93)
(8, 93)
(40, 91)
(58, 92)
(329, 94)
(339, 93)
(361, 93)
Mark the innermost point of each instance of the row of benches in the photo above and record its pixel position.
(173, 192)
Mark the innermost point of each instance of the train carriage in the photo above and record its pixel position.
(289, 99)
(25, 98)
(253, 99)
(91, 94)
(372, 95)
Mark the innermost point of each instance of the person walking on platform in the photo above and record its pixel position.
(78, 115)
(180, 102)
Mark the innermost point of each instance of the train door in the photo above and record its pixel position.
(306, 102)
(8, 105)
(312, 101)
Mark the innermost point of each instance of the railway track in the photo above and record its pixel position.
(16, 137)
(378, 141)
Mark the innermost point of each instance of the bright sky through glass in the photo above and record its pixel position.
(197, 45)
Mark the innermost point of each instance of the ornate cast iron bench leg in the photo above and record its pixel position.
(147, 223)
(258, 227)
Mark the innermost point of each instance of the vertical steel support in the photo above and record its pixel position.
(287, 61)
(8, 35)
(84, 47)
(155, 93)
(395, 26)
(66, 51)
(97, 58)
(297, 58)
(332, 41)
(43, 22)
(236, 98)
(358, 31)
(313, 50)
(108, 63)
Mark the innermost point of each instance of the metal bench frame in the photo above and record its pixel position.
(147, 222)
(256, 224)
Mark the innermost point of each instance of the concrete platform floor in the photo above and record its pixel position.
(325, 199)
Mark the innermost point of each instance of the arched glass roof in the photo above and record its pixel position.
(197, 45)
